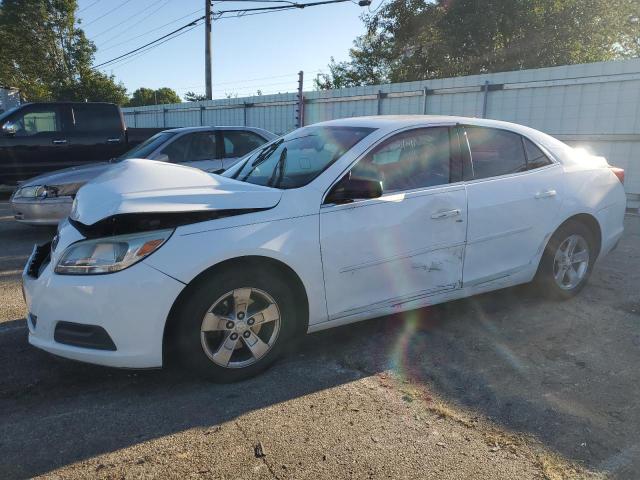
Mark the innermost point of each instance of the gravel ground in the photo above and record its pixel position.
(502, 385)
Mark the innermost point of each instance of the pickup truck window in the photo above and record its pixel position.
(37, 120)
(96, 118)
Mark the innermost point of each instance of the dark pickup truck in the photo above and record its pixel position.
(40, 137)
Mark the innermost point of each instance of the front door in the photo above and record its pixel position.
(405, 246)
(38, 145)
(514, 199)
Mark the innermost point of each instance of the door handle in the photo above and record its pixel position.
(59, 141)
(446, 213)
(546, 194)
(113, 140)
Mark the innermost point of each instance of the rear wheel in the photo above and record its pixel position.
(235, 323)
(567, 261)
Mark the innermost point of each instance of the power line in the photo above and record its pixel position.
(147, 32)
(131, 17)
(191, 24)
(88, 6)
(107, 13)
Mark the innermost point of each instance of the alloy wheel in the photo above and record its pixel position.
(240, 327)
(571, 262)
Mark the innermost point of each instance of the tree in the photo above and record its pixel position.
(47, 56)
(149, 96)
(194, 97)
(410, 40)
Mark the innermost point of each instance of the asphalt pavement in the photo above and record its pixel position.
(503, 385)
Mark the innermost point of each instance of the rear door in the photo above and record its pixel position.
(236, 144)
(96, 133)
(514, 195)
(39, 144)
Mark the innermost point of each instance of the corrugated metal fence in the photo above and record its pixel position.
(594, 105)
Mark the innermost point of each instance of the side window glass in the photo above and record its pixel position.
(202, 147)
(495, 152)
(238, 143)
(178, 149)
(535, 157)
(96, 118)
(415, 159)
(34, 122)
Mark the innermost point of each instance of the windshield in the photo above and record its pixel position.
(297, 158)
(144, 149)
(4, 115)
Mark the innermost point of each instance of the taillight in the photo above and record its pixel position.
(618, 172)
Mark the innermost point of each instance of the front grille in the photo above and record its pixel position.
(39, 259)
(85, 336)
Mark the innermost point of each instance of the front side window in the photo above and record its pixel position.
(33, 122)
(192, 147)
(414, 159)
(238, 143)
(495, 152)
(297, 158)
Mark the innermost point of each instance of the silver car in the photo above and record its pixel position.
(47, 199)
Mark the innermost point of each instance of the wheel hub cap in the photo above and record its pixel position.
(571, 262)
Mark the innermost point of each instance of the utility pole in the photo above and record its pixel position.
(300, 108)
(207, 47)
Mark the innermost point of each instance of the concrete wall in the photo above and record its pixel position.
(596, 106)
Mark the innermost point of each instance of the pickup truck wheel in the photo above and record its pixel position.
(567, 261)
(235, 324)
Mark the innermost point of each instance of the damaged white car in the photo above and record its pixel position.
(331, 224)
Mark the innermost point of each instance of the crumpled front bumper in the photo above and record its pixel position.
(131, 306)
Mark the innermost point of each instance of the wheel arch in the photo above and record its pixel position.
(271, 264)
(590, 222)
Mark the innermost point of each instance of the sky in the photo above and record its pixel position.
(249, 53)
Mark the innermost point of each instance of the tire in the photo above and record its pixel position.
(203, 345)
(550, 278)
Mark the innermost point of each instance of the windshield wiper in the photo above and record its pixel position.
(279, 170)
(261, 158)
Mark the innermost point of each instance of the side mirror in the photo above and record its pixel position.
(9, 128)
(351, 188)
(163, 157)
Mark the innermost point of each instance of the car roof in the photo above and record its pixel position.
(391, 123)
(211, 128)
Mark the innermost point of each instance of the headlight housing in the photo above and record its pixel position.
(31, 191)
(110, 254)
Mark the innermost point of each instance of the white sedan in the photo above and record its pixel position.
(331, 224)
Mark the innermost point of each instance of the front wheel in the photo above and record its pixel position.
(234, 324)
(567, 261)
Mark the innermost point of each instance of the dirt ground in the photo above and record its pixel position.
(503, 385)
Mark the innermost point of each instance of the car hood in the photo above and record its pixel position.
(73, 175)
(139, 186)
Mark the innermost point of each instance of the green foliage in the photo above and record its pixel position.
(410, 40)
(194, 97)
(149, 96)
(47, 57)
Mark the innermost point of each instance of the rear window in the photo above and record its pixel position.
(96, 118)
